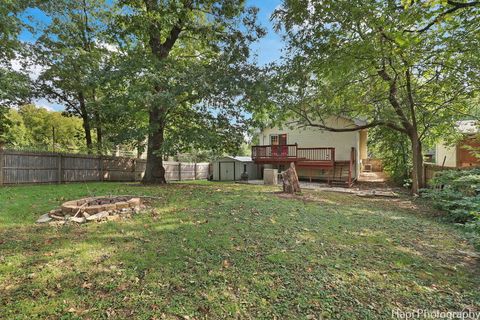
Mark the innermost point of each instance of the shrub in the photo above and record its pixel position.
(458, 193)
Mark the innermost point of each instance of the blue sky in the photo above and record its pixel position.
(267, 50)
(269, 47)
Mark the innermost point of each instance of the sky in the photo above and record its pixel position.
(269, 47)
(267, 50)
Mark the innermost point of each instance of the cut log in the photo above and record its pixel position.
(290, 180)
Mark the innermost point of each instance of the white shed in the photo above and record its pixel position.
(231, 168)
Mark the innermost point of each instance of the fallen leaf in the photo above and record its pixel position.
(87, 285)
(226, 264)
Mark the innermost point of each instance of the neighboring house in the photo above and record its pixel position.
(460, 155)
(231, 168)
(335, 157)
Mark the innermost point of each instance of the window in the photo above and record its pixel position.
(244, 168)
(278, 139)
(274, 140)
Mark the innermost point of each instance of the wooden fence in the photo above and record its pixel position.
(430, 169)
(375, 164)
(18, 167)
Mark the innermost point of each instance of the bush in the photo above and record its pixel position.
(458, 193)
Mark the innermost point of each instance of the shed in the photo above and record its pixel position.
(230, 168)
(459, 155)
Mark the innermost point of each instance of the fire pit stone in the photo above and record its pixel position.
(94, 209)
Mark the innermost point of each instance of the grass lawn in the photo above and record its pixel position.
(218, 251)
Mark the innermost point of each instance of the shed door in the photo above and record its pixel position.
(227, 171)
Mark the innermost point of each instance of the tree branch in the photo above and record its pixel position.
(322, 126)
(392, 97)
(411, 102)
(167, 45)
(455, 7)
(162, 50)
(61, 97)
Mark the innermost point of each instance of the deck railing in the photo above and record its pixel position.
(316, 154)
(292, 152)
(286, 152)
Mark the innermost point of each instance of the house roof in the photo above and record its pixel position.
(357, 121)
(240, 158)
(468, 126)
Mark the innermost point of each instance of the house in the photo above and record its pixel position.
(335, 157)
(231, 168)
(460, 154)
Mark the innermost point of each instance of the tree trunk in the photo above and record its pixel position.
(290, 180)
(88, 134)
(98, 125)
(154, 172)
(417, 161)
(99, 140)
(86, 122)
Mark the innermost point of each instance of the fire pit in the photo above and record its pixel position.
(93, 209)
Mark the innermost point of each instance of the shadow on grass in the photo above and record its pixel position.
(227, 251)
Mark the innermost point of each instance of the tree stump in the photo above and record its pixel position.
(290, 180)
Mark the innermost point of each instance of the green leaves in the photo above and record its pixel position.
(197, 79)
(14, 86)
(76, 51)
(15, 89)
(32, 128)
(10, 26)
(112, 63)
(457, 193)
(377, 60)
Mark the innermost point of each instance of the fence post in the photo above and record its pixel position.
(2, 159)
(179, 171)
(195, 171)
(59, 168)
(424, 178)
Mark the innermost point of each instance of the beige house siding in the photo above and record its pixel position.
(311, 137)
(449, 153)
(363, 144)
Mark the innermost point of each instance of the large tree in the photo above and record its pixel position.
(188, 66)
(73, 51)
(406, 68)
(14, 85)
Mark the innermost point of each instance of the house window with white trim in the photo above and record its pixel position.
(274, 139)
(278, 139)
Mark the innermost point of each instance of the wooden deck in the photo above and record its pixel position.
(308, 158)
(276, 154)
